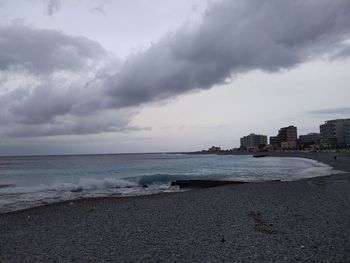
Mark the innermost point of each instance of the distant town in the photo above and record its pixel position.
(332, 135)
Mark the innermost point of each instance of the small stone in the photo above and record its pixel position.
(302, 246)
(223, 240)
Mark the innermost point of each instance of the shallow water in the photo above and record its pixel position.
(32, 181)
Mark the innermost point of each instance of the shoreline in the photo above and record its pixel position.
(323, 157)
(190, 185)
(304, 220)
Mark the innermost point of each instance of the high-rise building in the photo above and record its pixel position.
(287, 137)
(347, 133)
(328, 134)
(288, 134)
(253, 141)
(335, 133)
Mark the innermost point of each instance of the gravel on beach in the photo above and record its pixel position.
(301, 221)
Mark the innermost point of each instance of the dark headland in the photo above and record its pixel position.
(302, 221)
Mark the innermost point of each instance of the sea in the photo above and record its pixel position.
(38, 180)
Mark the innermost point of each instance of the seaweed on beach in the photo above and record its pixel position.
(260, 224)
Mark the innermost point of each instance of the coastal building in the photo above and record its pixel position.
(335, 133)
(310, 139)
(347, 133)
(274, 141)
(254, 141)
(288, 134)
(214, 149)
(287, 137)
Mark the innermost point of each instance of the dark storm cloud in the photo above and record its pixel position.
(52, 60)
(38, 106)
(44, 51)
(332, 111)
(116, 121)
(233, 37)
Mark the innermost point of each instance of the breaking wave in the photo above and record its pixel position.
(83, 184)
(14, 197)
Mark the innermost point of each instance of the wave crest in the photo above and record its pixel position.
(83, 184)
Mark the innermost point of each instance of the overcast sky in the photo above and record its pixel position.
(105, 76)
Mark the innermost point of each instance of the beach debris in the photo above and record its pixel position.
(71, 203)
(260, 225)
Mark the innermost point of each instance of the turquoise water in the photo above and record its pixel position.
(32, 181)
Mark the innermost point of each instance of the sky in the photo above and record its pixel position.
(103, 76)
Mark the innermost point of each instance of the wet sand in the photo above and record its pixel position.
(302, 221)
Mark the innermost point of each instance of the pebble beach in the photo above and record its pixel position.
(302, 221)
